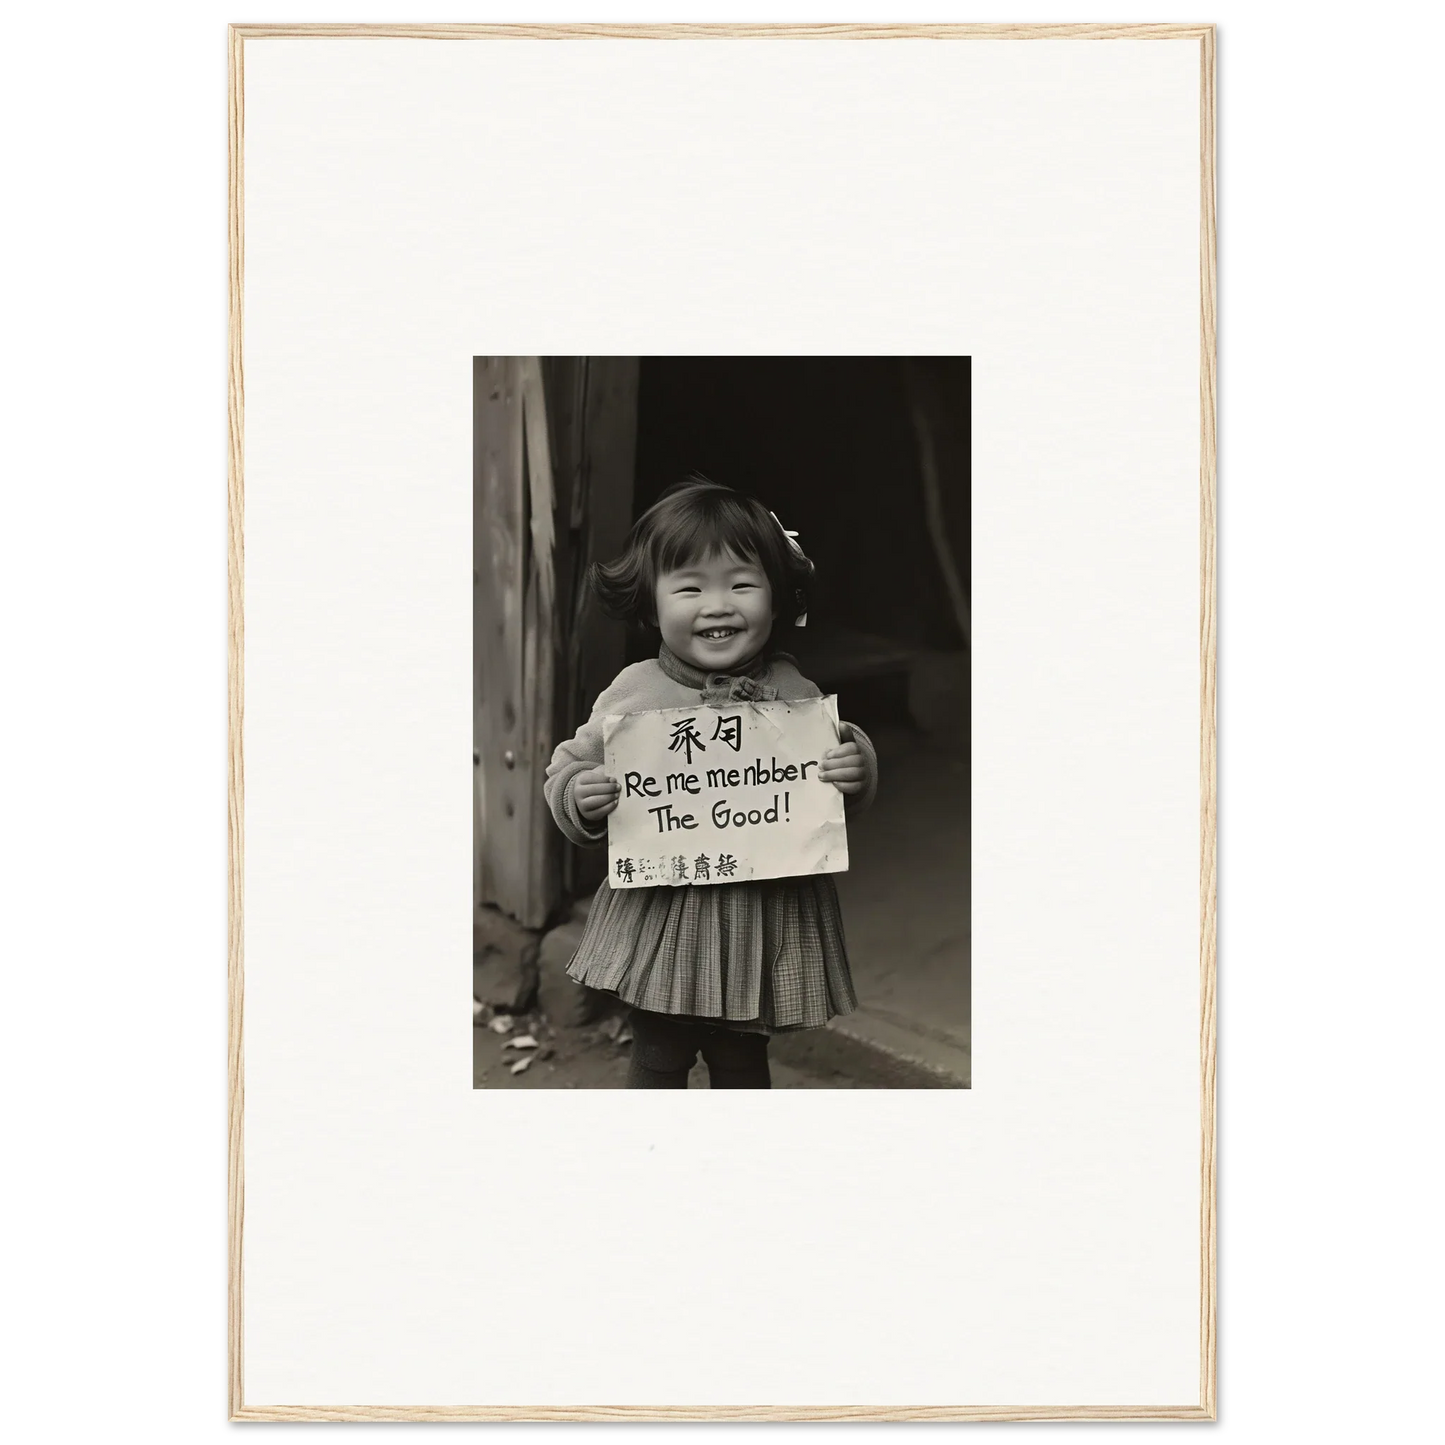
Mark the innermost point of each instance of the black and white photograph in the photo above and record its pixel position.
(721, 686)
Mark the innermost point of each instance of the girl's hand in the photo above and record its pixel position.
(843, 767)
(596, 794)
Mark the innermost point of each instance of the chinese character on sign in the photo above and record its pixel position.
(679, 869)
(730, 730)
(625, 870)
(686, 737)
(700, 867)
(727, 865)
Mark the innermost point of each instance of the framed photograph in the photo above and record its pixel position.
(801, 439)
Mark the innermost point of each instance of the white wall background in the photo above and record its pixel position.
(1038, 206)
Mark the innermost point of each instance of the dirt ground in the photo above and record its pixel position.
(906, 894)
(592, 1057)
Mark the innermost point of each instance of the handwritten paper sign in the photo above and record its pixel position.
(717, 795)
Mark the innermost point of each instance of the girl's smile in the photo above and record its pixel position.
(716, 612)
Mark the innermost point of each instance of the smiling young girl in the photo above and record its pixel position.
(708, 968)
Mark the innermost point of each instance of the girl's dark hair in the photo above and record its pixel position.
(694, 519)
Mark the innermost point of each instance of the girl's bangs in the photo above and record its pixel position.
(729, 530)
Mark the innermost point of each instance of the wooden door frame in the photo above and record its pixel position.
(554, 448)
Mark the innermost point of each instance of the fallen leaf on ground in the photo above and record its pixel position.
(502, 1024)
(522, 1041)
(523, 1064)
(625, 1037)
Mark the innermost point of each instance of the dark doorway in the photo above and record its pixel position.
(832, 445)
(868, 459)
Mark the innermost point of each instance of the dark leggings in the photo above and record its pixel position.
(665, 1048)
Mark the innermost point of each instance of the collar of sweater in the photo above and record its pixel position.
(685, 673)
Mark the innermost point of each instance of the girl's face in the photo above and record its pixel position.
(715, 612)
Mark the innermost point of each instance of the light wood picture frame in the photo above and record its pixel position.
(1204, 1406)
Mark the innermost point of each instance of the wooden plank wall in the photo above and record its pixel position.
(542, 843)
(593, 400)
(554, 454)
(503, 595)
(565, 382)
(601, 643)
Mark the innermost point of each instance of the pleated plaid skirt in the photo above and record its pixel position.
(766, 956)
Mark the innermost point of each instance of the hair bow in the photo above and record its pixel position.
(792, 539)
